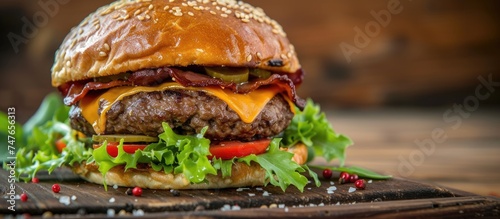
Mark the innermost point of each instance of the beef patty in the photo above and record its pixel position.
(187, 112)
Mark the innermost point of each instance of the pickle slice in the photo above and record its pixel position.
(235, 75)
(260, 73)
(126, 138)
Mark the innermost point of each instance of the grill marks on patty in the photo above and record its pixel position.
(187, 112)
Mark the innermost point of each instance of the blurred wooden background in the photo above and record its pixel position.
(429, 56)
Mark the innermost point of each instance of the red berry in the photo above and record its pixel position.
(24, 197)
(344, 178)
(353, 178)
(56, 188)
(35, 180)
(327, 173)
(360, 184)
(137, 191)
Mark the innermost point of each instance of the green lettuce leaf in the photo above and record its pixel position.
(280, 169)
(40, 153)
(225, 166)
(312, 128)
(180, 153)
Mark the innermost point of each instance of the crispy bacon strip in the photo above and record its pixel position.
(75, 91)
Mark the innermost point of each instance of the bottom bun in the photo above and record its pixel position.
(242, 175)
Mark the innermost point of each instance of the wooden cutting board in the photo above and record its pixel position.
(382, 198)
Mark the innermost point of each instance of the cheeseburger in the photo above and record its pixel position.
(172, 94)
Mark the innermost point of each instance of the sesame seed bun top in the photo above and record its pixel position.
(130, 35)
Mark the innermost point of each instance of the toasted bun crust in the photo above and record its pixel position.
(130, 35)
(242, 175)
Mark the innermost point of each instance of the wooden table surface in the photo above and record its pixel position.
(467, 158)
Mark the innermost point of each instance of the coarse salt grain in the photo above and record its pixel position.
(352, 189)
(111, 212)
(236, 208)
(258, 189)
(329, 191)
(331, 188)
(138, 212)
(251, 194)
(286, 209)
(115, 186)
(73, 197)
(370, 181)
(64, 200)
(225, 207)
(111, 200)
(241, 189)
(281, 206)
(266, 193)
(332, 183)
(321, 204)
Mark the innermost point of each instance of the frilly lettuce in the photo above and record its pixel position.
(312, 128)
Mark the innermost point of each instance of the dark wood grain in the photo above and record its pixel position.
(92, 199)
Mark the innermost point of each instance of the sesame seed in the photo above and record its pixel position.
(116, 16)
(137, 12)
(80, 31)
(106, 47)
(106, 12)
(68, 63)
(245, 20)
(166, 7)
(223, 15)
(151, 7)
(249, 58)
(140, 17)
(85, 22)
(190, 13)
(212, 12)
(171, 1)
(148, 17)
(184, 4)
(259, 55)
(283, 56)
(178, 13)
(102, 54)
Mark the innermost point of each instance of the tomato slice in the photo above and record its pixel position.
(112, 148)
(60, 145)
(236, 149)
(225, 150)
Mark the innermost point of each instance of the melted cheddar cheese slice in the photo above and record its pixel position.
(247, 106)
